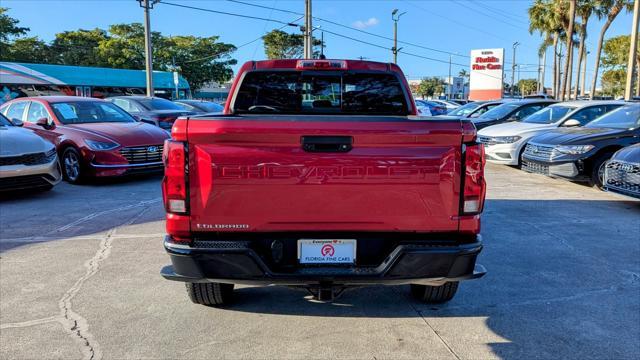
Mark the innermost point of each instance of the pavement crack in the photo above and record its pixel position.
(76, 325)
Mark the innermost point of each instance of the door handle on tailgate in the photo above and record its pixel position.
(327, 143)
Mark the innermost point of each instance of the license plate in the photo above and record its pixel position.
(327, 251)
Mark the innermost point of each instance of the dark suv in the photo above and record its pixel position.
(580, 154)
(153, 110)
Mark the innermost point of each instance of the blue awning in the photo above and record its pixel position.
(23, 73)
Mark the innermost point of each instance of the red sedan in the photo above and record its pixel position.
(94, 138)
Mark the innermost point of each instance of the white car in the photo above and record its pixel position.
(504, 143)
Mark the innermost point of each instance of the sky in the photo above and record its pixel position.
(439, 27)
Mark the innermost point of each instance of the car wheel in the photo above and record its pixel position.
(211, 294)
(71, 166)
(435, 294)
(597, 170)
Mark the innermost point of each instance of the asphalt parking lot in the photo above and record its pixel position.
(79, 278)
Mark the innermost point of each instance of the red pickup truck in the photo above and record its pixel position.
(319, 174)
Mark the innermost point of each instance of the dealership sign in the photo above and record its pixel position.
(486, 78)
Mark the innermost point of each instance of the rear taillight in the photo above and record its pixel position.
(474, 184)
(174, 184)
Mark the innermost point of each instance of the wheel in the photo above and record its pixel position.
(597, 169)
(211, 294)
(435, 294)
(71, 166)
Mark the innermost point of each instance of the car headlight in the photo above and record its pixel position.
(573, 149)
(101, 145)
(505, 139)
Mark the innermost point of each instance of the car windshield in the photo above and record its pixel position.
(4, 121)
(294, 92)
(626, 117)
(548, 115)
(82, 112)
(465, 109)
(159, 104)
(499, 111)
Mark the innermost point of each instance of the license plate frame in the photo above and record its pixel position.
(327, 251)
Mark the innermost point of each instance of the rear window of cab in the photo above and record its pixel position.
(339, 93)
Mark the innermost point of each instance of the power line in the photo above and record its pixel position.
(229, 13)
(350, 28)
(431, 12)
(499, 12)
(237, 47)
(483, 11)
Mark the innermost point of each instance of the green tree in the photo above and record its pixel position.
(527, 86)
(201, 60)
(610, 8)
(79, 47)
(29, 49)
(124, 48)
(281, 45)
(616, 56)
(430, 86)
(616, 52)
(9, 30)
(613, 82)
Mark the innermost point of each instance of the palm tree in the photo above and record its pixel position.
(611, 8)
(545, 19)
(584, 10)
(567, 64)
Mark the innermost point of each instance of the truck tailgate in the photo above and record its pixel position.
(251, 173)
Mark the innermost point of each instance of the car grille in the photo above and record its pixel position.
(24, 182)
(142, 154)
(539, 152)
(29, 159)
(535, 168)
(487, 140)
(623, 176)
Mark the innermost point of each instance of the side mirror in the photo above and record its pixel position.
(45, 123)
(17, 122)
(571, 123)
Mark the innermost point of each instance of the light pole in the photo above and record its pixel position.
(148, 51)
(513, 67)
(395, 17)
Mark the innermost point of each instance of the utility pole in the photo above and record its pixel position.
(633, 48)
(513, 67)
(308, 29)
(583, 78)
(395, 17)
(449, 80)
(148, 51)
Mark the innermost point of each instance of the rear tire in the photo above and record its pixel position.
(435, 294)
(210, 294)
